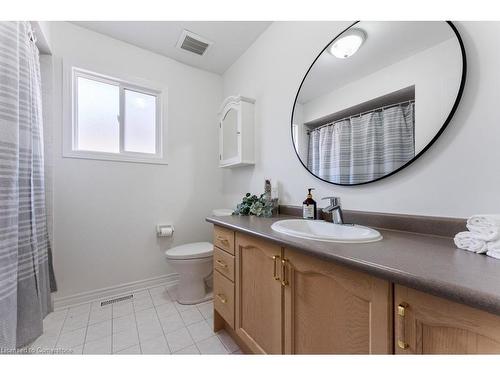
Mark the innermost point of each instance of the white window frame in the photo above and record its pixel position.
(70, 108)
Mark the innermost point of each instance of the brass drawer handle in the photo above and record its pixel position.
(402, 344)
(221, 263)
(284, 276)
(222, 298)
(275, 267)
(401, 325)
(223, 240)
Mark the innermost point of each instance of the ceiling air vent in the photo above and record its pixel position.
(193, 43)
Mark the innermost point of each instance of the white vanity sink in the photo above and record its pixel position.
(325, 231)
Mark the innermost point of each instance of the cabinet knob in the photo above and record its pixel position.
(222, 298)
(223, 240)
(221, 263)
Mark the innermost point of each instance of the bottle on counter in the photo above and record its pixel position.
(309, 207)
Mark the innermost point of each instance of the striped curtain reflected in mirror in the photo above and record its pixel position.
(365, 147)
(26, 277)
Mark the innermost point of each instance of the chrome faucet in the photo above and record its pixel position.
(335, 209)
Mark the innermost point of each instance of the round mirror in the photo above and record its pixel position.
(376, 98)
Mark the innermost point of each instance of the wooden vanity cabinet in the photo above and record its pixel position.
(279, 300)
(332, 309)
(425, 324)
(258, 295)
(224, 239)
(223, 279)
(287, 302)
(224, 298)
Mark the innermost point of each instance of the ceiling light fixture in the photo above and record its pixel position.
(347, 44)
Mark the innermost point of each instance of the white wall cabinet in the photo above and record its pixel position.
(236, 132)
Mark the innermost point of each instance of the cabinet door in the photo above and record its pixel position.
(425, 324)
(258, 295)
(331, 309)
(230, 136)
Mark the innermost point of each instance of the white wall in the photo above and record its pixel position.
(457, 177)
(436, 74)
(47, 77)
(302, 141)
(43, 37)
(105, 212)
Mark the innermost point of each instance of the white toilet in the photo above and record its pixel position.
(193, 262)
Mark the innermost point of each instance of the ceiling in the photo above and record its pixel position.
(231, 38)
(386, 44)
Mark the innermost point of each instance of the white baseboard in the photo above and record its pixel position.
(114, 291)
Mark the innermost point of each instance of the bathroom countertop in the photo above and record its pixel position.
(425, 262)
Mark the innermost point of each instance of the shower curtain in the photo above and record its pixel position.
(26, 277)
(363, 148)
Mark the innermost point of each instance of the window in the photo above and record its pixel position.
(113, 119)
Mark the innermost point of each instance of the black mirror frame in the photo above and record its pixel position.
(441, 130)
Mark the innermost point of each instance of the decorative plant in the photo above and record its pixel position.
(254, 205)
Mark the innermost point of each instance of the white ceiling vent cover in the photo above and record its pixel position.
(193, 43)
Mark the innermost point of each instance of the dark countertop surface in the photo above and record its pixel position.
(428, 263)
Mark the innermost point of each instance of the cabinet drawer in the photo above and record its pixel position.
(224, 239)
(224, 263)
(224, 298)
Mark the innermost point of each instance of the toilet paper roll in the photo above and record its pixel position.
(166, 232)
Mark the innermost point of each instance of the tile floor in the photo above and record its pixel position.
(150, 323)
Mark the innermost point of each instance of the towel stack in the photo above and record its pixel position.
(483, 235)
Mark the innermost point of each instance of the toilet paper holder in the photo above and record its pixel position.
(164, 230)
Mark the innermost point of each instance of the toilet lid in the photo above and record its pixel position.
(190, 251)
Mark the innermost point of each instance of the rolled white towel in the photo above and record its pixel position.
(486, 226)
(485, 234)
(469, 241)
(493, 253)
(485, 220)
(493, 245)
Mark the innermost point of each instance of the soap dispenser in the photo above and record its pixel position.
(309, 207)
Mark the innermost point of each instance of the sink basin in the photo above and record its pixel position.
(325, 231)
